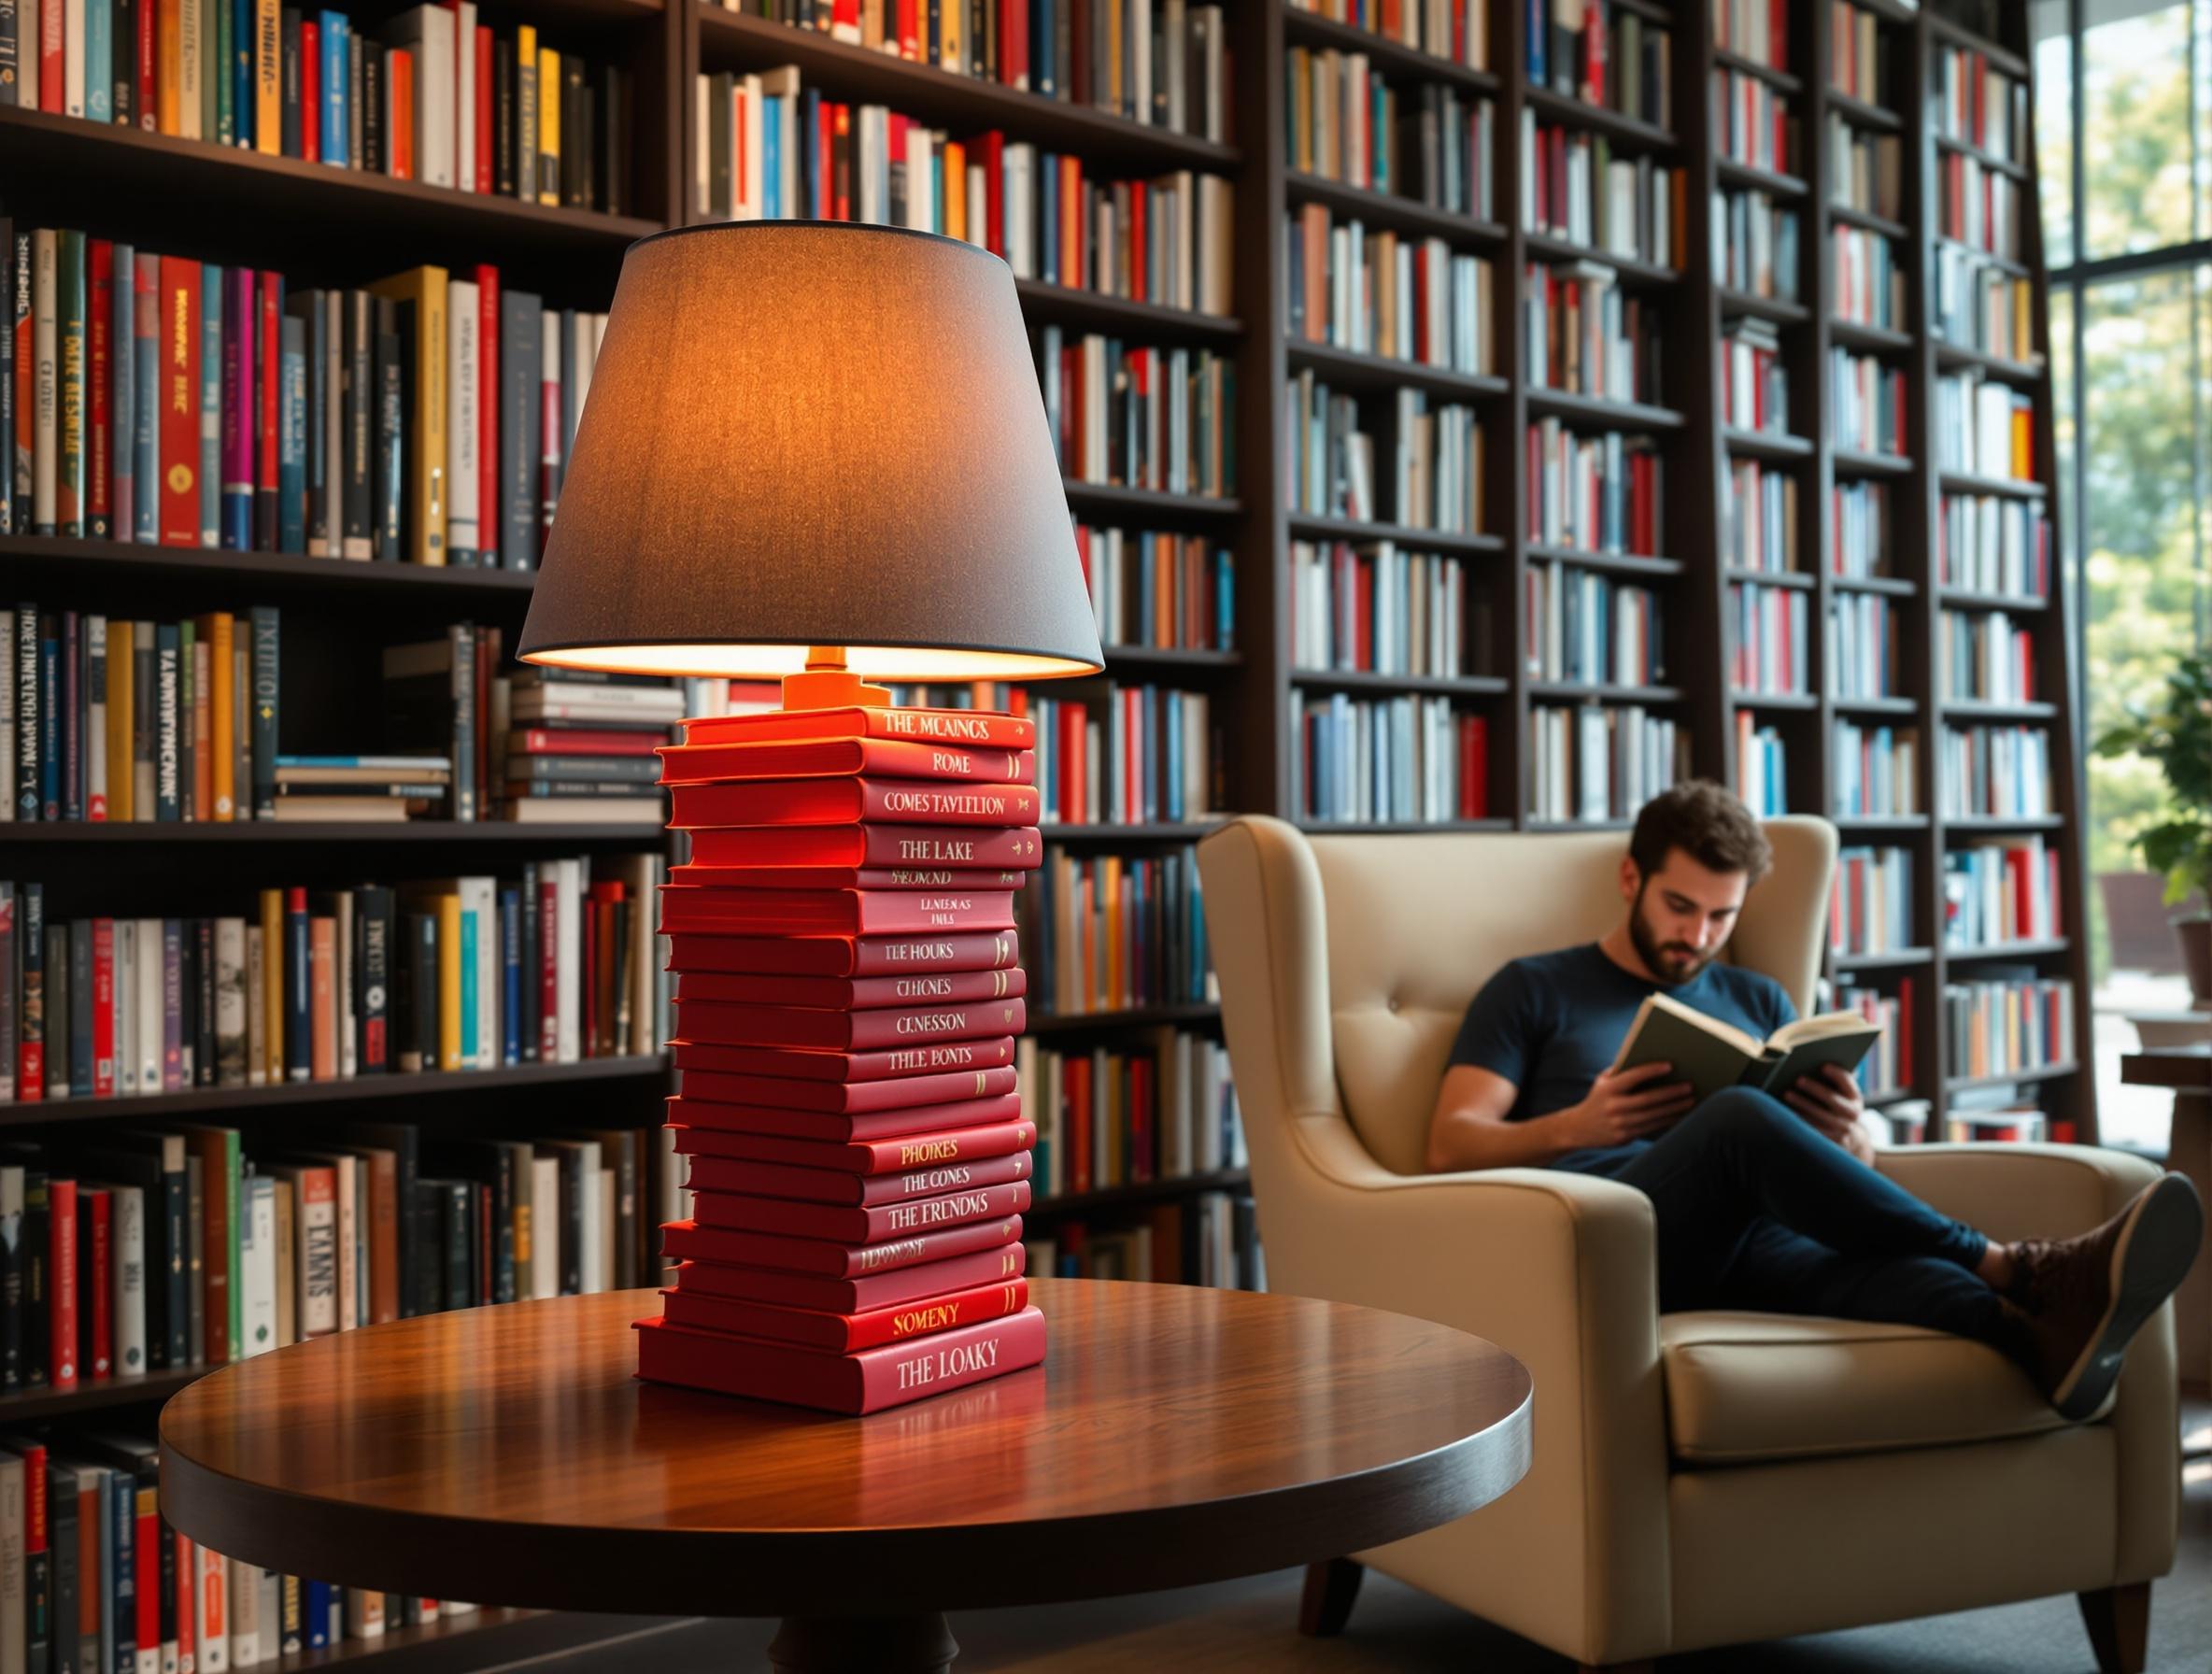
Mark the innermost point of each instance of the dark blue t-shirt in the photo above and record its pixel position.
(1551, 1023)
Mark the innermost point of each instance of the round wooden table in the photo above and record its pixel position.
(1175, 1435)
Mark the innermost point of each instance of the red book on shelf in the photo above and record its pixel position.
(1074, 724)
(868, 1381)
(844, 956)
(741, 1176)
(99, 377)
(51, 57)
(973, 1058)
(311, 90)
(866, 993)
(967, 847)
(843, 1097)
(145, 92)
(688, 1241)
(865, 1159)
(704, 1021)
(995, 1266)
(537, 741)
(737, 1212)
(1076, 1075)
(180, 402)
(834, 757)
(271, 373)
(61, 1282)
(994, 195)
(844, 1333)
(548, 967)
(845, 802)
(845, 877)
(96, 1232)
(399, 129)
(697, 910)
(711, 1116)
(976, 727)
(103, 1007)
(482, 57)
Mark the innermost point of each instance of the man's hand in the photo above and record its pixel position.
(1829, 1099)
(1623, 1105)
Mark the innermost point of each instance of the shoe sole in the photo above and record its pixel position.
(2150, 1259)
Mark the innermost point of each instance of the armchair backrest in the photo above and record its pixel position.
(1414, 925)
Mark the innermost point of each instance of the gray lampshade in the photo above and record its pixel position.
(812, 433)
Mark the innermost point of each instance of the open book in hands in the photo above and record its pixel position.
(1711, 1055)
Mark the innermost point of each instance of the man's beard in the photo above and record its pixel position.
(1673, 963)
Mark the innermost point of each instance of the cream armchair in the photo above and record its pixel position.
(1700, 1479)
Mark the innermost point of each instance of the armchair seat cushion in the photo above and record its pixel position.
(1747, 1387)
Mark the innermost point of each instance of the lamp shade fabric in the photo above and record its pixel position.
(812, 433)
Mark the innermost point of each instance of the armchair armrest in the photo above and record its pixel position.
(2015, 1191)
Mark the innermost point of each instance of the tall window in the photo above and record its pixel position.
(2123, 134)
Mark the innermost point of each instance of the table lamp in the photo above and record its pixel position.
(817, 451)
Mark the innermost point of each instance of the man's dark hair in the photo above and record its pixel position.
(1707, 823)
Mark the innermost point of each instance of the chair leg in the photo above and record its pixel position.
(1327, 1603)
(2119, 1623)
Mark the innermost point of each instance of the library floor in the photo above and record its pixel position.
(1249, 1626)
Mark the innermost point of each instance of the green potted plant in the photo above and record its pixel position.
(2177, 735)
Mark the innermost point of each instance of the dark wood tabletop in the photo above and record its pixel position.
(1175, 1435)
(2184, 1069)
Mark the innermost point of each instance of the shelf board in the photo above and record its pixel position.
(1952, 356)
(1146, 1016)
(1602, 409)
(1305, 527)
(1618, 563)
(1803, 700)
(1138, 1192)
(1577, 113)
(1604, 691)
(1534, 824)
(1783, 80)
(1549, 247)
(1159, 832)
(1780, 310)
(2009, 265)
(1359, 370)
(1977, 823)
(1468, 685)
(1063, 305)
(1398, 827)
(1174, 660)
(1958, 34)
(1966, 598)
(1879, 822)
(1779, 446)
(1889, 959)
(1866, 220)
(1895, 586)
(198, 1103)
(1970, 709)
(42, 1402)
(962, 104)
(1112, 498)
(1388, 210)
(1970, 482)
(2035, 948)
(1988, 160)
(1311, 29)
(1965, 1084)
(1796, 580)
(1749, 176)
(1898, 706)
(106, 833)
(1854, 109)
(1849, 461)
(1869, 339)
(293, 572)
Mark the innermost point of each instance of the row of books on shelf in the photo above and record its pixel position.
(1762, 766)
(1455, 31)
(1610, 56)
(2000, 889)
(1980, 306)
(425, 418)
(1867, 402)
(1981, 772)
(1979, 104)
(767, 148)
(431, 95)
(1123, 755)
(1978, 207)
(1862, 654)
(1752, 123)
(1984, 426)
(1378, 608)
(1866, 279)
(1210, 1238)
(450, 975)
(1163, 64)
(1858, 54)
(1756, 245)
(1433, 145)
(1582, 334)
(1115, 933)
(1585, 628)
(1992, 544)
(1381, 293)
(1139, 418)
(1156, 590)
(1758, 518)
(1754, 384)
(1602, 762)
(1599, 492)
(1978, 1116)
(1758, 30)
(1888, 1064)
(1574, 188)
(1431, 477)
(2011, 1021)
(1866, 169)
(1874, 772)
(1767, 638)
(1982, 658)
(1405, 759)
(1859, 527)
(1160, 1107)
(1870, 905)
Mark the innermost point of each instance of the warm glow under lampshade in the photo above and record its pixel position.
(812, 433)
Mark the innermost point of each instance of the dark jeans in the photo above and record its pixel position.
(1757, 1209)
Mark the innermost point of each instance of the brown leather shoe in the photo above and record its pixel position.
(2085, 1298)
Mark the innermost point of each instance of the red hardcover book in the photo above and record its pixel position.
(844, 1333)
(399, 135)
(688, 1241)
(103, 1007)
(847, 1099)
(95, 1229)
(860, 994)
(61, 1280)
(868, 1381)
(963, 847)
(180, 402)
(844, 956)
(99, 353)
(843, 757)
(865, 1294)
(845, 877)
(697, 910)
(548, 967)
(271, 374)
(322, 998)
(537, 741)
(704, 1021)
(310, 89)
(484, 183)
(49, 50)
(736, 1213)
(830, 1127)
(843, 801)
(980, 727)
(187, 1578)
(863, 1159)
(147, 1502)
(854, 1191)
(899, 1064)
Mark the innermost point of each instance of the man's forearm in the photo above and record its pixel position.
(1462, 1139)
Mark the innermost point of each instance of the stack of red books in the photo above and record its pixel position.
(848, 992)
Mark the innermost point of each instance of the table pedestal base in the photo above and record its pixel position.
(916, 1644)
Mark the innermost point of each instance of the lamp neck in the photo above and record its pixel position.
(828, 684)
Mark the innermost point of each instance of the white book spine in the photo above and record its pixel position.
(129, 1278)
(149, 1005)
(545, 1232)
(569, 954)
(259, 1256)
(212, 1630)
(464, 420)
(464, 103)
